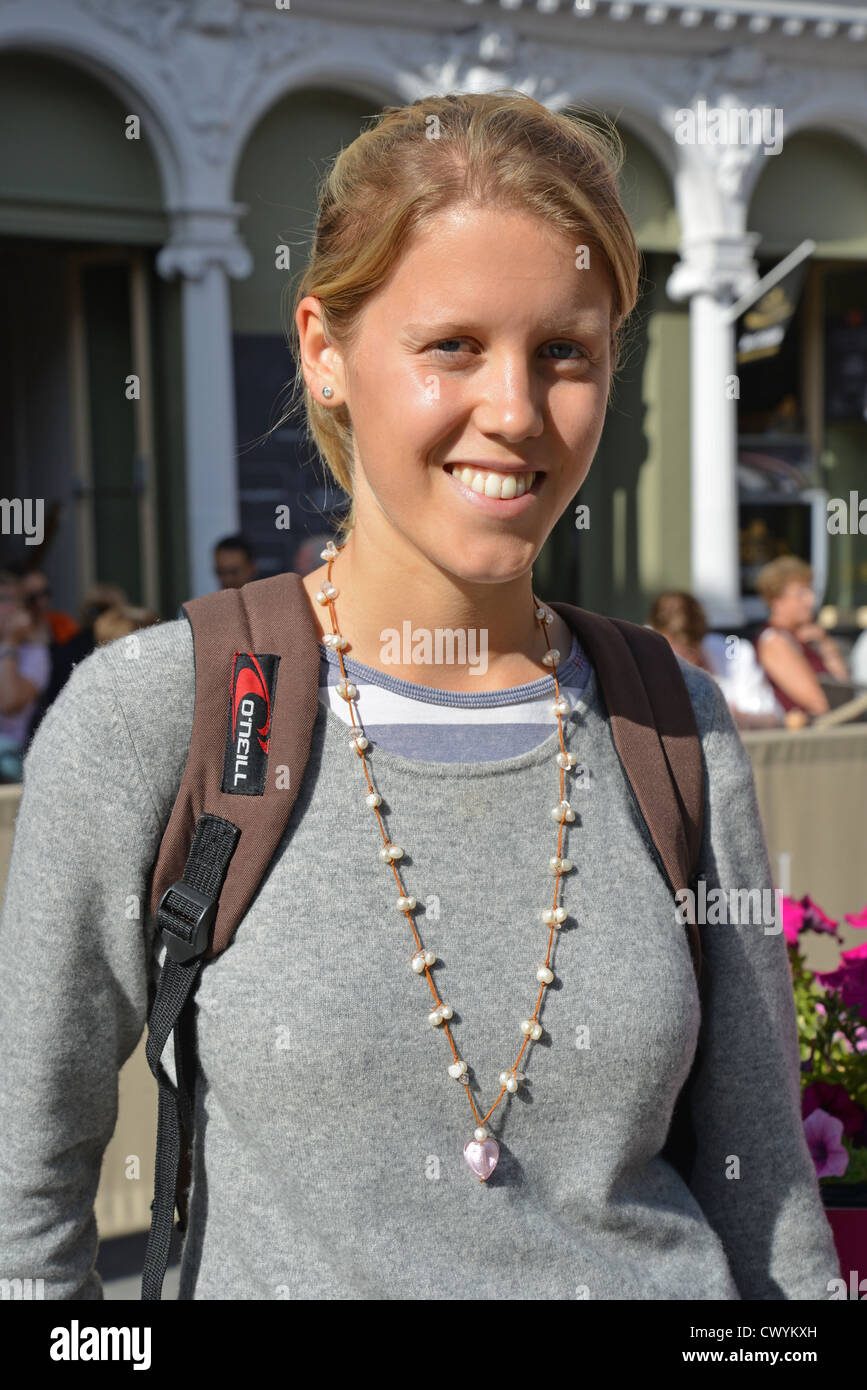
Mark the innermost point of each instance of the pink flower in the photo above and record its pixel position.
(858, 919)
(793, 920)
(823, 1133)
(833, 1099)
(804, 915)
(850, 978)
(860, 1040)
(815, 919)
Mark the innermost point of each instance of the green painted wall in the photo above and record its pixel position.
(815, 187)
(281, 166)
(646, 192)
(67, 169)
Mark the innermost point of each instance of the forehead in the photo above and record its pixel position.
(502, 264)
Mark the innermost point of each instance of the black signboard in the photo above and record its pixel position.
(846, 367)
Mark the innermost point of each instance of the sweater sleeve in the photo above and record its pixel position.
(74, 965)
(753, 1175)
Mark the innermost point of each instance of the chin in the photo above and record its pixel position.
(485, 563)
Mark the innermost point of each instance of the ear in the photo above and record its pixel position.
(321, 362)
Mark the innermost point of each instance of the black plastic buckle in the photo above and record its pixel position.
(185, 947)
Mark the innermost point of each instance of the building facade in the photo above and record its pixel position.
(159, 189)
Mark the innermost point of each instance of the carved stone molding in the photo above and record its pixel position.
(202, 239)
(212, 55)
(214, 66)
(723, 266)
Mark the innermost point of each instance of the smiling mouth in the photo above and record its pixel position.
(490, 483)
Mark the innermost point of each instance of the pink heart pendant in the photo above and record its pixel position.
(482, 1156)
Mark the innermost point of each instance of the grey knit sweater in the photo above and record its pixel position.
(329, 1134)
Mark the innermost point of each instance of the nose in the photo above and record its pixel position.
(509, 400)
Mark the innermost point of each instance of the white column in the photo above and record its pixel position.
(206, 251)
(714, 269)
(714, 546)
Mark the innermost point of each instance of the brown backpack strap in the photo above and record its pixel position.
(257, 667)
(268, 620)
(654, 731)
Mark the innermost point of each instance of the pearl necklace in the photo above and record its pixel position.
(482, 1152)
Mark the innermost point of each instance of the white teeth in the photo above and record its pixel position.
(492, 484)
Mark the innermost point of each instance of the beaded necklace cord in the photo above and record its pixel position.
(482, 1152)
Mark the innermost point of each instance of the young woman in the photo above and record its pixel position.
(457, 326)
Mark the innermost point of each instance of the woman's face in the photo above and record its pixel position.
(487, 347)
(795, 605)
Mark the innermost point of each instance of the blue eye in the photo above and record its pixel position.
(441, 348)
(438, 347)
(568, 345)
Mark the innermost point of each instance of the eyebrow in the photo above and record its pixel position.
(591, 323)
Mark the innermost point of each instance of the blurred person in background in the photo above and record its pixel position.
(234, 562)
(36, 593)
(730, 660)
(65, 655)
(120, 621)
(792, 648)
(25, 669)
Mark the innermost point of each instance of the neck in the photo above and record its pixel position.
(504, 643)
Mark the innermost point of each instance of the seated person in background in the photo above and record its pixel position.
(730, 660)
(25, 667)
(793, 649)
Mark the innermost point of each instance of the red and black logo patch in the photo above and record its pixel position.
(248, 732)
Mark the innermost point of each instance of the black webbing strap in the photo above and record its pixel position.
(185, 918)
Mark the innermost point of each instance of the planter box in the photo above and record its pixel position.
(846, 1210)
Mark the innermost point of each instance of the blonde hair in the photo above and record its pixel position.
(98, 597)
(773, 579)
(121, 621)
(493, 149)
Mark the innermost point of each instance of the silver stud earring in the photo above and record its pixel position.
(328, 392)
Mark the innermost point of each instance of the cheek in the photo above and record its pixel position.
(579, 416)
(404, 411)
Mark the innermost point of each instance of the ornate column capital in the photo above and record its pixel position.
(202, 238)
(721, 265)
